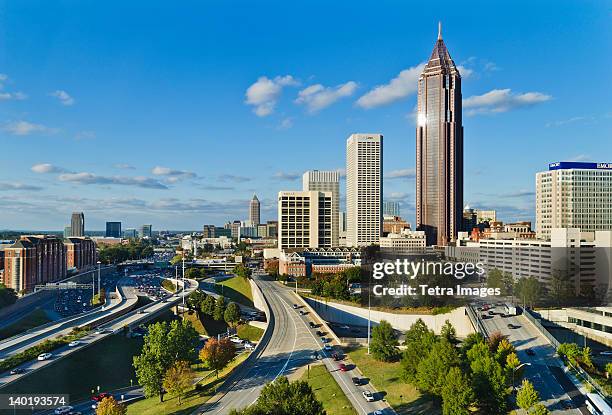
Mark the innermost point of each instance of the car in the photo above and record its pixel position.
(16, 371)
(368, 396)
(606, 353)
(336, 357)
(74, 343)
(319, 333)
(63, 410)
(377, 412)
(484, 316)
(491, 312)
(98, 398)
(342, 367)
(324, 340)
(568, 404)
(249, 346)
(44, 356)
(295, 306)
(327, 347)
(510, 326)
(302, 313)
(356, 381)
(312, 325)
(530, 352)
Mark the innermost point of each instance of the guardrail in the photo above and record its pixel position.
(479, 327)
(552, 340)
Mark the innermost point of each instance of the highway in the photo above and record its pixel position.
(130, 319)
(288, 345)
(545, 369)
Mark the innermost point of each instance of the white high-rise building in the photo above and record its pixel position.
(574, 195)
(364, 189)
(304, 219)
(326, 181)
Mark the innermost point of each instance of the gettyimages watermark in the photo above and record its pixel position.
(437, 277)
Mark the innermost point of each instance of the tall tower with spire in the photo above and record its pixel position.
(254, 211)
(439, 148)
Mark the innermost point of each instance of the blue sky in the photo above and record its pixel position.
(175, 115)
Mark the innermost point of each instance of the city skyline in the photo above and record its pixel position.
(119, 145)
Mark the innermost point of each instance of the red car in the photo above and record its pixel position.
(98, 398)
(342, 367)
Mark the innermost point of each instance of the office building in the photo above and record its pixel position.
(145, 231)
(113, 230)
(81, 253)
(32, 260)
(485, 215)
(67, 231)
(309, 261)
(394, 224)
(364, 188)
(304, 219)
(272, 229)
(470, 219)
(254, 211)
(77, 224)
(326, 181)
(403, 242)
(391, 209)
(130, 233)
(439, 148)
(574, 195)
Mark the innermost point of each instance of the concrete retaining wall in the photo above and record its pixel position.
(258, 301)
(346, 314)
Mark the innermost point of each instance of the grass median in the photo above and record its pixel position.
(327, 391)
(236, 289)
(386, 378)
(250, 333)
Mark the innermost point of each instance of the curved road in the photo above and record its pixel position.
(289, 345)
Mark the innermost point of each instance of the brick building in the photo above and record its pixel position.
(34, 259)
(80, 253)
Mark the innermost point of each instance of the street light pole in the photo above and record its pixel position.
(183, 282)
(369, 314)
(99, 263)
(514, 371)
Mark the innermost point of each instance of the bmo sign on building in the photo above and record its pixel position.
(574, 195)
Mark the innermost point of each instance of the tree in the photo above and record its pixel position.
(241, 271)
(282, 397)
(608, 369)
(495, 339)
(448, 332)
(192, 273)
(418, 341)
(585, 358)
(470, 341)
(457, 393)
(503, 351)
(488, 379)
(495, 279)
(216, 354)
(384, 343)
(232, 314)
(528, 290)
(179, 379)
(526, 396)
(195, 299)
(432, 370)
(154, 360)
(539, 409)
(163, 345)
(109, 406)
(208, 306)
(8, 296)
(219, 308)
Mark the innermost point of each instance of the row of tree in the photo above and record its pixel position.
(8, 296)
(476, 374)
(335, 286)
(214, 308)
(135, 249)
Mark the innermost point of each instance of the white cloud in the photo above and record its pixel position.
(502, 100)
(403, 85)
(284, 176)
(572, 120)
(47, 168)
(17, 96)
(264, 93)
(172, 175)
(464, 71)
(25, 128)
(18, 186)
(285, 124)
(401, 174)
(63, 97)
(85, 135)
(580, 157)
(316, 97)
(123, 166)
(90, 178)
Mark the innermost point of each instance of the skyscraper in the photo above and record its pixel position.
(254, 211)
(326, 181)
(439, 148)
(146, 231)
(113, 230)
(391, 209)
(304, 219)
(364, 189)
(77, 224)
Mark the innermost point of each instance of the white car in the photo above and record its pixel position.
(74, 343)
(368, 396)
(44, 356)
(63, 410)
(327, 347)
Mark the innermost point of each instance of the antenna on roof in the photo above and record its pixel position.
(439, 30)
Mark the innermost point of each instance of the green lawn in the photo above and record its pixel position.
(194, 317)
(236, 289)
(328, 392)
(251, 333)
(33, 319)
(190, 402)
(386, 377)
